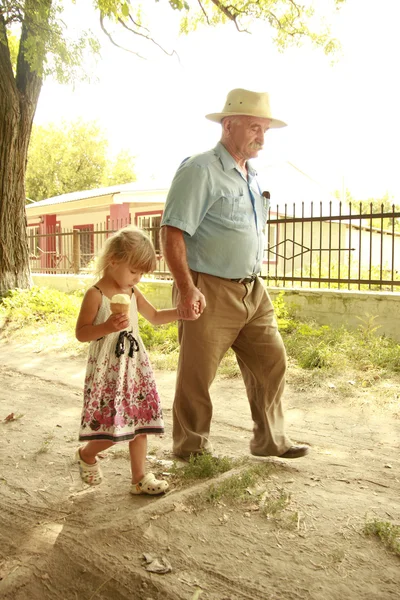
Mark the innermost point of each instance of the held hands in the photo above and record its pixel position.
(117, 322)
(191, 304)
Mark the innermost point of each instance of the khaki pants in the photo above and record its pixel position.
(241, 317)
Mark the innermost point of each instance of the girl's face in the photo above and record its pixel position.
(124, 276)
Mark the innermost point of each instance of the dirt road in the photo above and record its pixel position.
(60, 540)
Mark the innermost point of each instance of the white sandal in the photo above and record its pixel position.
(149, 485)
(90, 474)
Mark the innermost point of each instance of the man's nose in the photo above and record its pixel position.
(260, 137)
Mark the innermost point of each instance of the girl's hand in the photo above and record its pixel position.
(191, 304)
(196, 316)
(196, 307)
(117, 322)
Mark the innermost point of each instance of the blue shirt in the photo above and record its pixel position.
(221, 214)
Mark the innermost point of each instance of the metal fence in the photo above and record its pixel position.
(305, 247)
(73, 251)
(356, 249)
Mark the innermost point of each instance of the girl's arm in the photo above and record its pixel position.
(85, 331)
(151, 314)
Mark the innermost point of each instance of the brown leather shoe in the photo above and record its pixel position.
(296, 452)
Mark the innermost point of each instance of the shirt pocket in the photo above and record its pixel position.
(235, 211)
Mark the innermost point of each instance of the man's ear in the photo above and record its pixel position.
(226, 126)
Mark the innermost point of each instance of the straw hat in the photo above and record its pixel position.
(251, 104)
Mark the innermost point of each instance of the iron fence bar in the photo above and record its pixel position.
(320, 242)
(387, 282)
(277, 236)
(339, 239)
(363, 216)
(284, 245)
(392, 247)
(381, 261)
(294, 236)
(302, 241)
(311, 239)
(359, 252)
(330, 242)
(370, 245)
(349, 261)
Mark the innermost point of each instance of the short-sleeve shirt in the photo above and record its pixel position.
(221, 214)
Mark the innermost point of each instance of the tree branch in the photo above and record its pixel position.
(296, 7)
(227, 13)
(13, 10)
(138, 25)
(115, 43)
(204, 12)
(147, 37)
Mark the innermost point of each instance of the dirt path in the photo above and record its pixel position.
(62, 541)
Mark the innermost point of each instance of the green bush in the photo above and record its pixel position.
(283, 314)
(163, 338)
(26, 307)
(387, 532)
(322, 347)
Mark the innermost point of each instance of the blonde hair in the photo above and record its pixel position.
(129, 245)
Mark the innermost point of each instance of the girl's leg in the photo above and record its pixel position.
(141, 483)
(88, 453)
(138, 451)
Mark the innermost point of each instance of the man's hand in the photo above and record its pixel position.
(191, 304)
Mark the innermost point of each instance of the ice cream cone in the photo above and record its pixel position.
(117, 308)
(120, 303)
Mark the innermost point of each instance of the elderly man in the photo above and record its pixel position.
(212, 236)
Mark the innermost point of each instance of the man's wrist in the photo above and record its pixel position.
(185, 285)
(186, 291)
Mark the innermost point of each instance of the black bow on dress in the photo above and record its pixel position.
(133, 345)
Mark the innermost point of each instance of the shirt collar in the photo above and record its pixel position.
(228, 162)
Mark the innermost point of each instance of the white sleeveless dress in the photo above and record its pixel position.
(120, 394)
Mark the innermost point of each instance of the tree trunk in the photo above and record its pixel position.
(18, 100)
(14, 257)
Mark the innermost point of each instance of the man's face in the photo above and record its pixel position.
(246, 135)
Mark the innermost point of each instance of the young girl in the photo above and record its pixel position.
(121, 403)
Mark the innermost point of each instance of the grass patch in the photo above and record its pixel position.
(245, 488)
(235, 488)
(202, 466)
(388, 533)
(231, 489)
(274, 503)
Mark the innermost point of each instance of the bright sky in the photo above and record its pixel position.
(343, 119)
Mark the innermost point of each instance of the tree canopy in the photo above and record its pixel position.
(71, 157)
(36, 34)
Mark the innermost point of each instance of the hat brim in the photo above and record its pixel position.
(217, 118)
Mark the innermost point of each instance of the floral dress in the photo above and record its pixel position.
(120, 395)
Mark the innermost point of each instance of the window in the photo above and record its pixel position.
(151, 222)
(86, 244)
(33, 240)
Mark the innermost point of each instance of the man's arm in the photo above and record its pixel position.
(174, 250)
